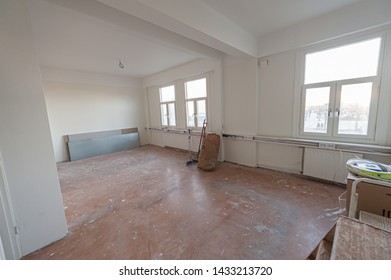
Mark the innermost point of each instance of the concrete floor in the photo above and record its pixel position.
(146, 203)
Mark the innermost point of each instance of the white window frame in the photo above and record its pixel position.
(196, 127)
(166, 104)
(376, 108)
(334, 108)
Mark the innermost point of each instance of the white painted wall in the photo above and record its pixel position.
(255, 101)
(276, 101)
(153, 100)
(25, 141)
(80, 102)
(240, 95)
(276, 87)
(267, 109)
(260, 109)
(240, 108)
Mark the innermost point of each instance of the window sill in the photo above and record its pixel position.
(175, 130)
(337, 146)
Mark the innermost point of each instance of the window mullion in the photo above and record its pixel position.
(166, 116)
(195, 113)
(168, 113)
(335, 100)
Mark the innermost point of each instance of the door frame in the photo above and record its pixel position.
(9, 237)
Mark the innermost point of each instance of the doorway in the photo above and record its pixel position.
(9, 239)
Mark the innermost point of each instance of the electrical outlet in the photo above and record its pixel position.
(325, 145)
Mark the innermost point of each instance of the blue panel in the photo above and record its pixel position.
(86, 148)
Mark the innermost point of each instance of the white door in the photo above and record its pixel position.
(2, 254)
(9, 239)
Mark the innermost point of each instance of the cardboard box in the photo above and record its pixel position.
(351, 239)
(377, 221)
(372, 198)
(355, 240)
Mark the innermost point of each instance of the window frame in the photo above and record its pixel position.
(166, 104)
(373, 136)
(302, 108)
(195, 116)
(335, 105)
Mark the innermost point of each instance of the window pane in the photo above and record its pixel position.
(347, 62)
(354, 109)
(190, 113)
(163, 110)
(167, 94)
(201, 112)
(316, 109)
(196, 88)
(171, 114)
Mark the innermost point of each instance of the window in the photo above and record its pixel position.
(167, 105)
(196, 102)
(339, 94)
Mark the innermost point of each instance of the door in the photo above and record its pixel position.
(2, 254)
(9, 239)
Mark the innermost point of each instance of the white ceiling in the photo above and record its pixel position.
(75, 41)
(150, 36)
(262, 17)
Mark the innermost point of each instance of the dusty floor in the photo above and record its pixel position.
(147, 204)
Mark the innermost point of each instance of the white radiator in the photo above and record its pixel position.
(327, 164)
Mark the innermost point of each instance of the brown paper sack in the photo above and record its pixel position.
(209, 152)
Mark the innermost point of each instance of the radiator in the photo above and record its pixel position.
(327, 164)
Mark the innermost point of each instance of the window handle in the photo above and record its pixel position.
(329, 112)
(337, 111)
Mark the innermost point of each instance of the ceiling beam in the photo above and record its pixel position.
(140, 27)
(194, 20)
(354, 18)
